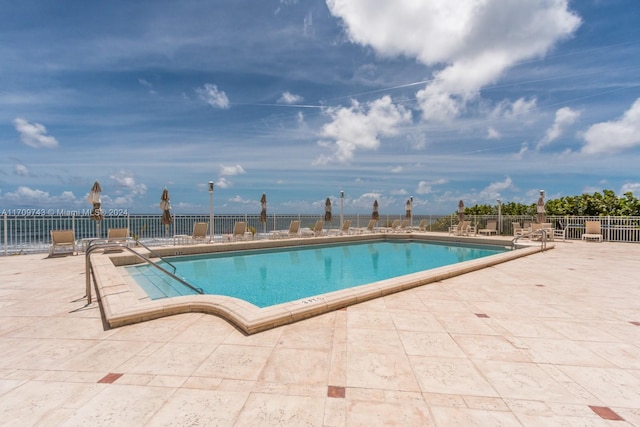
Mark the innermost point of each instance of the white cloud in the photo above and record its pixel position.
(21, 170)
(514, 110)
(633, 187)
(615, 135)
(127, 189)
(34, 134)
(493, 134)
(493, 190)
(210, 94)
(39, 199)
(289, 98)
(223, 183)
(397, 169)
(564, 117)
(231, 170)
(359, 127)
(426, 187)
(486, 37)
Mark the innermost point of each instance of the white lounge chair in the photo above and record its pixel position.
(370, 228)
(422, 226)
(394, 226)
(239, 231)
(490, 229)
(64, 241)
(118, 235)
(294, 231)
(593, 231)
(199, 234)
(404, 226)
(345, 229)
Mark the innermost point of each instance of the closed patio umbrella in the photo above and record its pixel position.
(327, 210)
(96, 202)
(263, 212)
(540, 209)
(165, 205)
(408, 209)
(460, 211)
(375, 215)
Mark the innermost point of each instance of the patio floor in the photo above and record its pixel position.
(549, 339)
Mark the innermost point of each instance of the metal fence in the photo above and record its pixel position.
(31, 234)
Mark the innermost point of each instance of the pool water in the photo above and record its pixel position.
(274, 276)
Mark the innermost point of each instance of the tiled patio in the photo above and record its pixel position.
(549, 339)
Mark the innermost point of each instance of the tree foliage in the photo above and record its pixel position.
(596, 204)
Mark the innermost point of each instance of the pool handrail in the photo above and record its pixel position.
(543, 240)
(99, 244)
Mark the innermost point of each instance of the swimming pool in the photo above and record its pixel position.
(124, 302)
(268, 277)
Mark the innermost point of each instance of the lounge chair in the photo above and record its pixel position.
(199, 234)
(316, 231)
(370, 228)
(64, 241)
(346, 225)
(593, 231)
(118, 235)
(422, 226)
(294, 231)
(518, 230)
(394, 225)
(490, 229)
(456, 230)
(239, 230)
(404, 226)
(466, 228)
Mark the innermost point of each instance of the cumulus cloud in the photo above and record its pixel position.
(127, 189)
(210, 94)
(360, 127)
(474, 42)
(493, 190)
(231, 170)
(493, 134)
(514, 110)
(21, 170)
(34, 134)
(615, 135)
(564, 117)
(290, 98)
(30, 197)
(426, 187)
(633, 187)
(223, 183)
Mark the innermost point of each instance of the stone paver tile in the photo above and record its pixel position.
(311, 366)
(121, 405)
(175, 358)
(360, 413)
(234, 362)
(369, 319)
(413, 320)
(430, 344)
(373, 340)
(200, 407)
(525, 381)
(313, 338)
(562, 352)
(613, 386)
(380, 371)
(104, 356)
(490, 347)
(450, 376)
(277, 410)
(452, 416)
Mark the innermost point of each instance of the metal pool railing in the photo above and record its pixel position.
(29, 233)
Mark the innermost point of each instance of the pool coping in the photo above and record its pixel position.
(121, 306)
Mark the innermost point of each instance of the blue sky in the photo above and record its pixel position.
(435, 100)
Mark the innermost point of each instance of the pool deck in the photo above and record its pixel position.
(548, 339)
